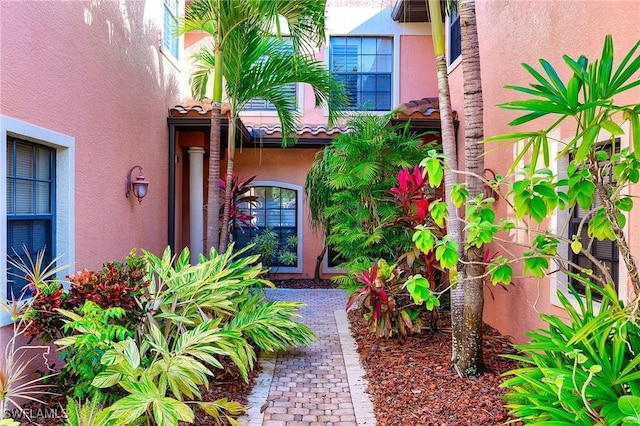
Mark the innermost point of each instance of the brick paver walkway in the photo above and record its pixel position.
(311, 386)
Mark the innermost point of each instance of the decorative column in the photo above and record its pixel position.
(196, 203)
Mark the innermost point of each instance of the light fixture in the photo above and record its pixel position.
(137, 185)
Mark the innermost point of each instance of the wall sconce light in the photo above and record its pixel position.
(137, 185)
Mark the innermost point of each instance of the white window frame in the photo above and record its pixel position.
(299, 224)
(560, 280)
(65, 190)
(175, 60)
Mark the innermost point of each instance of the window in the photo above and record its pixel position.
(606, 251)
(169, 40)
(30, 205)
(258, 104)
(37, 206)
(278, 208)
(455, 44)
(290, 90)
(364, 65)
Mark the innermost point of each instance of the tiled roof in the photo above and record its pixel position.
(304, 131)
(420, 108)
(423, 110)
(193, 108)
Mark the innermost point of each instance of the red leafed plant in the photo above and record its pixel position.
(414, 196)
(239, 195)
(42, 317)
(115, 285)
(382, 288)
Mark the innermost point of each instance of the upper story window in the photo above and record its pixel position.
(364, 65)
(30, 206)
(290, 90)
(277, 210)
(605, 251)
(169, 39)
(454, 39)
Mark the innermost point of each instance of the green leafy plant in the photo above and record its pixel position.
(630, 406)
(595, 178)
(90, 332)
(266, 245)
(160, 390)
(90, 413)
(199, 315)
(576, 373)
(190, 319)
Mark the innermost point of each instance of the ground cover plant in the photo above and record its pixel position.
(151, 364)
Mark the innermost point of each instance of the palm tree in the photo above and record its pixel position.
(468, 350)
(220, 18)
(454, 226)
(260, 66)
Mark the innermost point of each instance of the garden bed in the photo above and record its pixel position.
(410, 379)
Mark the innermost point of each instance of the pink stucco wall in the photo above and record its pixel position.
(417, 68)
(94, 71)
(516, 31)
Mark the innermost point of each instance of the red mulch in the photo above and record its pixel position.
(412, 383)
(410, 380)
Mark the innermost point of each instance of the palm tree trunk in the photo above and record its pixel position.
(454, 227)
(468, 353)
(213, 193)
(224, 226)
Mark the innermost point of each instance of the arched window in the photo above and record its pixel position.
(278, 210)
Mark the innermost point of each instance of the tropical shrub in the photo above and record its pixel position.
(187, 320)
(90, 331)
(268, 248)
(199, 315)
(265, 245)
(88, 413)
(115, 285)
(348, 191)
(577, 373)
(587, 371)
(388, 298)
